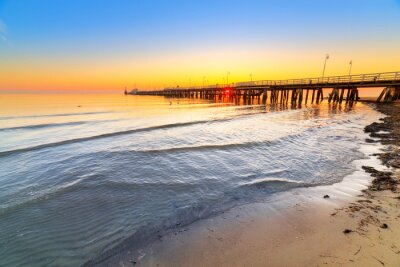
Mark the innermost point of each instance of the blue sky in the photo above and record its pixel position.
(47, 23)
(45, 30)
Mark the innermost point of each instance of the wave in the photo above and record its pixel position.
(89, 138)
(49, 125)
(248, 144)
(274, 184)
(264, 181)
(82, 184)
(46, 125)
(270, 185)
(202, 147)
(90, 113)
(155, 151)
(106, 135)
(54, 115)
(44, 196)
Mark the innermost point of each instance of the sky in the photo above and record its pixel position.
(106, 45)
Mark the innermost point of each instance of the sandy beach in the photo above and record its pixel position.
(352, 223)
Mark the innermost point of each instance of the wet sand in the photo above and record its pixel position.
(352, 223)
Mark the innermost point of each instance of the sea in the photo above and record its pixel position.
(84, 176)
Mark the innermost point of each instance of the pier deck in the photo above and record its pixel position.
(344, 88)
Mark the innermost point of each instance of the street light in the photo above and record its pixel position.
(227, 78)
(251, 77)
(351, 65)
(323, 72)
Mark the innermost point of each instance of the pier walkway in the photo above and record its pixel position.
(296, 91)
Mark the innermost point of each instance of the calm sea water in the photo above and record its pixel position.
(81, 175)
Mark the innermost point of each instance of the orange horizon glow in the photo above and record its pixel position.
(116, 75)
(166, 44)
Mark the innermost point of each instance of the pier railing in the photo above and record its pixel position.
(358, 78)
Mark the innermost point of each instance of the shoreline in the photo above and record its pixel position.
(353, 226)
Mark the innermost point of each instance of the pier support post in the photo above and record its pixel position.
(330, 96)
(357, 97)
(396, 95)
(389, 95)
(318, 96)
(307, 96)
(321, 95)
(348, 95)
(312, 98)
(272, 99)
(381, 95)
(341, 96)
(293, 96)
(264, 97)
(287, 97)
(300, 97)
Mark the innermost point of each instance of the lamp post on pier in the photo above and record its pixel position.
(323, 72)
(227, 78)
(351, 65)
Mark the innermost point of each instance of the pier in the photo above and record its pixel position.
(295, 91)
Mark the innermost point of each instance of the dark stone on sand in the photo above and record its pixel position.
(347, 231)
(390, 124)
(368, 169)
(382, 180)
(376, 127)
(395, 163)
(384, 226)
(326, 196)
(364, 200)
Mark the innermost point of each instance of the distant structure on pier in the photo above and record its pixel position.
(132, 92)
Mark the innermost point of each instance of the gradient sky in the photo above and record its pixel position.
(103, 46)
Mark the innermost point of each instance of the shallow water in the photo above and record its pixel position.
(82, 174)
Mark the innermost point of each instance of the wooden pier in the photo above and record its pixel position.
(294, 91)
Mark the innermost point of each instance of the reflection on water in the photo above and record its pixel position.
(81, 175)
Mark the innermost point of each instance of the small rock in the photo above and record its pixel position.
(347, 231)
(384, 226)
(326, 196)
